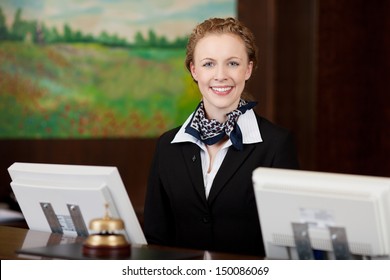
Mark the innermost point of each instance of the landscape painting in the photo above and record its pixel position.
(97, 69)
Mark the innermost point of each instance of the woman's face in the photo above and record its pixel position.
(220, 67)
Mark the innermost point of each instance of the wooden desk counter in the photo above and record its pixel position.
(13, 239)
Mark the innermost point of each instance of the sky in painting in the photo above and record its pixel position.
(170, 18)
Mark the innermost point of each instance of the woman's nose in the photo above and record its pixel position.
(220, 73)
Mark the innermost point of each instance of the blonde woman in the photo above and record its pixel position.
(200, 192)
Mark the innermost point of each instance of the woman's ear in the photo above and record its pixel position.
(193, 72)
(248, 73)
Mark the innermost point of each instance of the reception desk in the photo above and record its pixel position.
(20, 243)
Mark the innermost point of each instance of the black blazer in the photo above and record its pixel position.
(177, 212)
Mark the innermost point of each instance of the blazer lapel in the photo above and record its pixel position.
(191, 153)
(233, 160)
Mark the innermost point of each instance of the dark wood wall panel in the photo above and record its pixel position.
(295, 88)
(260, 17)
(354, 87)
(284, 83)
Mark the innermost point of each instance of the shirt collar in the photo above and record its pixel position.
(248, 124)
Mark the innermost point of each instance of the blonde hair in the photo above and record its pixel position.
(222, 26)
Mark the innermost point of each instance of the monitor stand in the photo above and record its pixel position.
(75, 214)
(303, 245)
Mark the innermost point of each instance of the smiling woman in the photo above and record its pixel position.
(200, 192)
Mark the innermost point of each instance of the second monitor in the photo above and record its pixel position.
(306, 214)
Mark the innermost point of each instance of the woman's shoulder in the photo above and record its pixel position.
(269, 127)
(168, 136)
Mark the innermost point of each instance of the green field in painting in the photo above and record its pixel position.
(88, 90)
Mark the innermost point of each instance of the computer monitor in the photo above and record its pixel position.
(65, 198)
(311, 215)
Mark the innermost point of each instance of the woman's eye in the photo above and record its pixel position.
(233, 63)
(208, 64)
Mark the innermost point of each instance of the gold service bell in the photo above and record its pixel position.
(107, 242)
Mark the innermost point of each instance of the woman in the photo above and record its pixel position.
(200, 192)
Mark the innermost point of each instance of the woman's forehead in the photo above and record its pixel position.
(226, 44)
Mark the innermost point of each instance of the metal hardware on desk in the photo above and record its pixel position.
(51, 217)
(338, 237)
(78, 220)
(75, 214)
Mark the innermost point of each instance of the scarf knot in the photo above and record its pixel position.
(212, 131)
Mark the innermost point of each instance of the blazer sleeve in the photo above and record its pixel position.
(286, 155)
(278, 144)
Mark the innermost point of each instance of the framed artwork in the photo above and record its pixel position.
(97, 69)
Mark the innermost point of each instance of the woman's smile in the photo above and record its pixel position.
(222, 90)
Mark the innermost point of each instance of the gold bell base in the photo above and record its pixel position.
(107, 252)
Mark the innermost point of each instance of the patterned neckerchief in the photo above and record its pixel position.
(212, 131)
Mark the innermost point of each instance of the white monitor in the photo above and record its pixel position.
(65, 198)
(303, 213)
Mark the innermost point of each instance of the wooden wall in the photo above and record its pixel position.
(323, 73)
(284, 84)
(353, 87)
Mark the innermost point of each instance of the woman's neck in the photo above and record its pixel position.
(221, 117)
(217, 114)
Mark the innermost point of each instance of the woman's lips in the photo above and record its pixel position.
(222, 90)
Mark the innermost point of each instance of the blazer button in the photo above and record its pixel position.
(206, 219)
